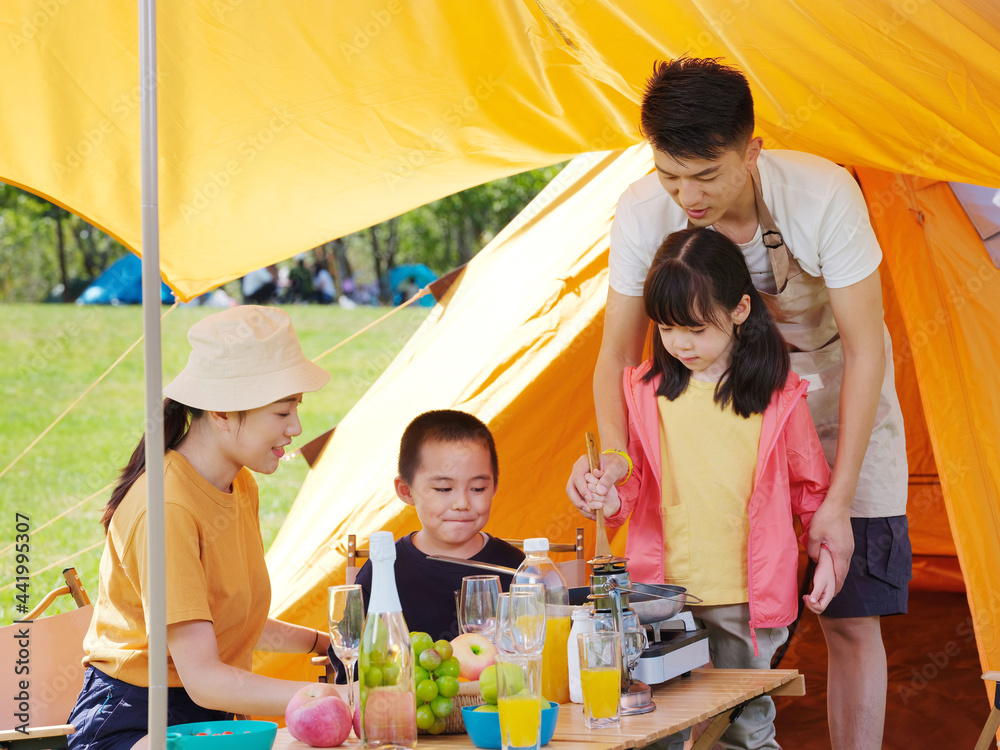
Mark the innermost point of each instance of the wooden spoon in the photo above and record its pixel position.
(602, 547)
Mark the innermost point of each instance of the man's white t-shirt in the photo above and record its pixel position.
(816, 204)
(823, 219)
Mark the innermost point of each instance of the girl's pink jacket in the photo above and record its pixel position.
(792, 478)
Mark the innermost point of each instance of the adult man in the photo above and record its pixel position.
(803, 227)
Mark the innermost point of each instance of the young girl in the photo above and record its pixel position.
(724, 453)
(231, 410)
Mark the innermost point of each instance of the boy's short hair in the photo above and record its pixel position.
(696, 108)
(445, 426)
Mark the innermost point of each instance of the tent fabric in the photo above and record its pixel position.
(284, 125)
(121, 284)
(949, 290)
(524, 365)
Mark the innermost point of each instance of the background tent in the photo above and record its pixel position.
(121, 284)
(524, 362)
(411, 278)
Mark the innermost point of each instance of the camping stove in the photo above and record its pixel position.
(676, 646)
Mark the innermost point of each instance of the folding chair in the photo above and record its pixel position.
(989, 736)
(53, 649)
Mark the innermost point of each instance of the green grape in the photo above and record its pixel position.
(442, 706)
(448, 668)
(438, 726)
(425, 717)
(419, 675)
(390, 674)
(447, 686)
(373, 678)
(427, 691)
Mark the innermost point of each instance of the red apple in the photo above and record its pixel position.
(474, 653)
(318, 716)
(356, 724)
(307, 693)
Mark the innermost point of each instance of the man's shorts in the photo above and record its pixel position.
(878, 579)
(113, 715)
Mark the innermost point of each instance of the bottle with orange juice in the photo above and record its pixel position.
(538, 567)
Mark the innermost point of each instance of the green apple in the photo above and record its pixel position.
(488, 684)
(487, 709)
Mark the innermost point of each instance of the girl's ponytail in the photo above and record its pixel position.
(176, 419)
(759, 363)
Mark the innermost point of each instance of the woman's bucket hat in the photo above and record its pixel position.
(243, 358)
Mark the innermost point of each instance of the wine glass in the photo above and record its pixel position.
(527, 617)
(347, 623)
(477, 604)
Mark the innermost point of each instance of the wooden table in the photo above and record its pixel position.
(680, 704)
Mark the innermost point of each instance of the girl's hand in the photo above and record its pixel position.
(824, 583)
(582, 491)
(608, 501)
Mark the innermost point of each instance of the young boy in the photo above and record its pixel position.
(448, 471)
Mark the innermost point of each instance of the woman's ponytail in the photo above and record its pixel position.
(176, 419)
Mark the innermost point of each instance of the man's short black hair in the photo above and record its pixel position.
(697, 108)
(445, 426)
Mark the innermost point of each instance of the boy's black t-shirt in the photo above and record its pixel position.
(427, 587)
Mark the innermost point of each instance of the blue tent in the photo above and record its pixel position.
(417, 273)
(121, 284)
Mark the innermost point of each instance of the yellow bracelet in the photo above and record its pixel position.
(628, 458)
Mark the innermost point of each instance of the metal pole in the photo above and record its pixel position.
(156, 543)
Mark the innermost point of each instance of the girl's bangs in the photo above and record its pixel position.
(674, 296)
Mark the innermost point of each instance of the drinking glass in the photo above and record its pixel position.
(527, 617)
(477, 604)
(600, 678)
(519, 700)
(347, 623)
(503, 639)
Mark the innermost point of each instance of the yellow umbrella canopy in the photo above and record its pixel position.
(284, 125)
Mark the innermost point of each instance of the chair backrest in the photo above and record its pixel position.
(51, 648)
(574, 569)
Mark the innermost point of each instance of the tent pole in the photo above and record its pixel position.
(156, 543)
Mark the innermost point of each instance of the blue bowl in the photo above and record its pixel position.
(484, 726)
(246, 735)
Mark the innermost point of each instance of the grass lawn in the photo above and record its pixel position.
(50, 354)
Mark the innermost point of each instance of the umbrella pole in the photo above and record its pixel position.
(157, 583)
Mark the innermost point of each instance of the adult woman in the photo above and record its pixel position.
(231, 410)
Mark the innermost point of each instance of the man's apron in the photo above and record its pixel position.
(805, 319)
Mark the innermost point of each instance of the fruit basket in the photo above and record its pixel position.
(468, 695)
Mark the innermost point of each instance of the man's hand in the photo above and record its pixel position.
(832, 527)
(589, 491)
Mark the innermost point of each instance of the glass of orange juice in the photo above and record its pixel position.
(519, 700)
(600, 678)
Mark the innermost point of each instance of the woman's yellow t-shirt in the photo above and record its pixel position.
(215, 571)
(709, 457)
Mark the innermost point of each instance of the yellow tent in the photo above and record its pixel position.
(284, 125)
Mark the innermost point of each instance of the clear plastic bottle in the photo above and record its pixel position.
(539, 568)
(388, 699)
